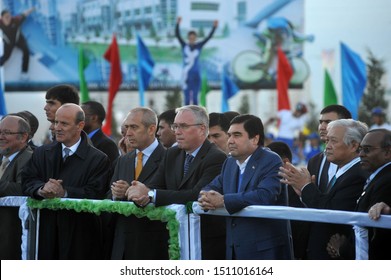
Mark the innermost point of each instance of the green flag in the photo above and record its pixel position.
(83, 63)
(330, 96)
(204, 89)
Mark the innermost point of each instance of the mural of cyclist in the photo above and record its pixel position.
(13, 37)
(191, 72)
(279, 33)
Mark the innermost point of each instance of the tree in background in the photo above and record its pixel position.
(173, 99)
(244, 105)
(128, 34)
(375, 91)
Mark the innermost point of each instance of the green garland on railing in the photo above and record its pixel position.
(150, 211)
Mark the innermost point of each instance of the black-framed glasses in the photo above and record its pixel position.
(368, 149)
(182, 126)
(8, 133)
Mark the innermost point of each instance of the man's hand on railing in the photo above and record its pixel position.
(52, 189)
(379, 208)
(210, 200)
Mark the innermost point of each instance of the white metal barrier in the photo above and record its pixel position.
(189, 224)
(358, 220)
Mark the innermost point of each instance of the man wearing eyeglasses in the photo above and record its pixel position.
(14, 134)
(186, 168)
(375, 154)
(343, 190)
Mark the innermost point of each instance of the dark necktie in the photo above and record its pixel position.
(240, 179)
(332, 182)
(66, 153)
(189, 158)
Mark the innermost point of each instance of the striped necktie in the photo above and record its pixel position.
(4, 165)
(189, 158)
(66, 153)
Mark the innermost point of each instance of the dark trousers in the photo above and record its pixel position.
(22, 45)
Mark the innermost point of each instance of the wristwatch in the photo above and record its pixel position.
(151, 195)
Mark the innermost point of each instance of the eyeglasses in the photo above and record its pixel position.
(182, 126)
(8, 133)
(367, 149)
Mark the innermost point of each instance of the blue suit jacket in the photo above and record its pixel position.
(253, 238)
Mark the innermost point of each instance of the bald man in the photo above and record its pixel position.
(72, 168)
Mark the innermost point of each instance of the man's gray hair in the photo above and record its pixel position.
(355, 130)
(199, 112)
(149, 116)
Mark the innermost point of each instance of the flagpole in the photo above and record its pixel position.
(3, 108)
(145, 66)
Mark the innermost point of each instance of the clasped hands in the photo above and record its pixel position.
(136, 192)
(210, 200)
(52, 189)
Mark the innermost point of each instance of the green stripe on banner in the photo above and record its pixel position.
(124, 208)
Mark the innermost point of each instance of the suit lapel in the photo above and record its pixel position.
(232, 175)
(363, 200)
(195, 163)
(131, 166)
(179, 162)
(249, 172)
(151, 165)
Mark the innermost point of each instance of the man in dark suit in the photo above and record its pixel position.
(249, 177)
(70, 167)
(14, 134)
(186, 168)
(375, 154)
(343, 140)
(299, 229)
(95, 115)
(138, 238)
(319, 167)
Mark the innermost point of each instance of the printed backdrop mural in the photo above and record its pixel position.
(244, 44)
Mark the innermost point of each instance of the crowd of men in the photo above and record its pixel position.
(187, 155)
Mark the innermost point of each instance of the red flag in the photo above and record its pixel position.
(284, 74)
(112, 55)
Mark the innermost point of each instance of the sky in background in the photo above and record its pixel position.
(360, 24)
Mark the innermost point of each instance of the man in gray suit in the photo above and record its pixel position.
(138, 238)
(14, 134)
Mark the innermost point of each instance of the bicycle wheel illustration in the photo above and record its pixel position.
(242, 66)
(301, 71)
(246, 68)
